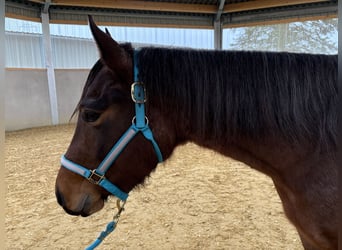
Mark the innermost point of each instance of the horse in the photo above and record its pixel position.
(274, 111)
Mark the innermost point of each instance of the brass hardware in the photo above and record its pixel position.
(95, 178)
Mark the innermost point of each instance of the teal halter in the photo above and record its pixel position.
(139, 124)
(97, 176)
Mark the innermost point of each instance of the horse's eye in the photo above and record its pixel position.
(90, 115)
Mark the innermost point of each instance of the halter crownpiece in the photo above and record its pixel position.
(139, 124)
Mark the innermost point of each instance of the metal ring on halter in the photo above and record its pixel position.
(134, 119)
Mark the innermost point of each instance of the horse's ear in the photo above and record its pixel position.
(112, 54)
(107, 32)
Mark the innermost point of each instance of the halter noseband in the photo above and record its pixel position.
(139, 124)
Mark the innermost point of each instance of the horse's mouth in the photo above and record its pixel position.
(80, 213)
(85, 207)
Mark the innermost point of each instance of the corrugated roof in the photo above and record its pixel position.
(178, 13)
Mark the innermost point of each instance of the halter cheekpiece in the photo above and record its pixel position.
(139, 124)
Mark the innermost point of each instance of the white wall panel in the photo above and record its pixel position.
(73, 53)
(24, 50)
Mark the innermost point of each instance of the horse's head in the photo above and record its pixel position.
(106, 111)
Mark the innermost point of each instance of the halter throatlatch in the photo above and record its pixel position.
(139, 124)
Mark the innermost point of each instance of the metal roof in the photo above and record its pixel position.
(178, 13)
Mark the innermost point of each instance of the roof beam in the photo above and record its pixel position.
(178, 7)
(265, 4)
(130, 19)
(279, 16)
(138, 5)
(112, 16)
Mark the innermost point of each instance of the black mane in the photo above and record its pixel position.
(225, 94)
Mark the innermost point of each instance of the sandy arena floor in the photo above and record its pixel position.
(196, 200)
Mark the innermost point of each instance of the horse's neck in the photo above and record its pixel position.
(215, 107)
(270, 156)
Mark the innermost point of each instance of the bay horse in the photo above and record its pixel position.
(276, 112)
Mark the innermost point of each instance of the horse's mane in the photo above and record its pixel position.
(229, 95)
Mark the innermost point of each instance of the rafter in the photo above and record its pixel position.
(264, 4)
(139, 5)
(178, 7)
(182, 14)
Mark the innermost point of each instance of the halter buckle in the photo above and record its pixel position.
(95, 178)
(138, 99)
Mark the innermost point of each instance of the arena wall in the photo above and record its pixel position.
(27, 102)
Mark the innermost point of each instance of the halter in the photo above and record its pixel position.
(139, 124)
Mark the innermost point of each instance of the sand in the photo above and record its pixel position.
(197, 199)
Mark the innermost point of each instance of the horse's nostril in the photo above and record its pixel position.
(60, 198)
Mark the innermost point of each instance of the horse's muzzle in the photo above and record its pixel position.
(84, 207)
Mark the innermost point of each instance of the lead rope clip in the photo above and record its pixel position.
(110, 226)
